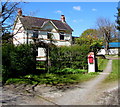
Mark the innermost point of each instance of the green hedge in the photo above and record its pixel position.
(74, 57)
(17, 60)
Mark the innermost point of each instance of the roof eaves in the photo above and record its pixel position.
(62, 29)
(15, 23)
(53, 24)
(45, 23)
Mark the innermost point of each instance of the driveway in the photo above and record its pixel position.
(88, 93)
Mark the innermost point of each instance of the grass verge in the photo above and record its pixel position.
(53, 79)
(114, 74)
(116, 56)
(102, 63)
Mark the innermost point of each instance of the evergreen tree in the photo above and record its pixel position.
(118, 17)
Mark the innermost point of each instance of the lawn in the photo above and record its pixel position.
(102, 63)
(112, 56)
(114, 74)
(53, 79)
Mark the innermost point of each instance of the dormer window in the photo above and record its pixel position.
(62, 35)
(35, 33)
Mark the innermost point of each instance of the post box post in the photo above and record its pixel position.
(91, 62)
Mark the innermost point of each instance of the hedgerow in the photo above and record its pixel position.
(74, 57)
(17, 60)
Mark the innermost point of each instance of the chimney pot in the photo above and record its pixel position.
(63, 18)
(19, 12)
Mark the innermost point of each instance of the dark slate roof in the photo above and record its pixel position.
(30, 22)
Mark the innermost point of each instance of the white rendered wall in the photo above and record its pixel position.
(18, 39)
(24, 36)
(101, 52)
(19, 33)
(111, 51)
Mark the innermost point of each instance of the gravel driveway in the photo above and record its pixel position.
(88, 93)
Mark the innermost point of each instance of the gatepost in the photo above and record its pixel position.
(91, 62)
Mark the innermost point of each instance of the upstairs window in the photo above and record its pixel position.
(62, 35)
(35, 33)
(49, 35)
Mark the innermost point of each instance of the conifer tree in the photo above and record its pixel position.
(118, 17)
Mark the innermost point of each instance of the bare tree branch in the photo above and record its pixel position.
(106, 30)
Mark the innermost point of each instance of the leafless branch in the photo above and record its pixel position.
(106, 30)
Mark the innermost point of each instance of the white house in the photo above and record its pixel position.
(114, 49)
(27, 27)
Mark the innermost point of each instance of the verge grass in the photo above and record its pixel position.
(102, 63)
(114, 75)
(53, 79)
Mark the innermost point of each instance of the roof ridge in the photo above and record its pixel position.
(42, 18)
(36, 21)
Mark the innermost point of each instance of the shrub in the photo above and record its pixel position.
(18, 60)
(74, 57)
(70, 71)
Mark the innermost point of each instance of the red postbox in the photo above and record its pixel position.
(90, 59)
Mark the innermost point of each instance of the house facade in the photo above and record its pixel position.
(26, 28)
(114, 49)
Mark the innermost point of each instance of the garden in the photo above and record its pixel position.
(67, 65)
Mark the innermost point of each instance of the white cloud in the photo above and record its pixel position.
(77, 8)
(59, 11)
(94, 9)
(74, 21)
(77, 21)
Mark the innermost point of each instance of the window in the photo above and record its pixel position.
(61, 35)
(49, 35)
(35, 33)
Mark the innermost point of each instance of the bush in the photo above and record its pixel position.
(74, 57)
(18, 60)
(70, 71)
(17, 81)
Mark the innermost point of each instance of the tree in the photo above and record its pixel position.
(90, 32)
(18, 60)
(92, 42)
(118, 17)
(106, 31)
(7, 38)
(8, 14)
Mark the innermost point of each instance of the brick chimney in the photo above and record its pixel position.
(63, 18)
(19, 12)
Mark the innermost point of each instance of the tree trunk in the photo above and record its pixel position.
(107, 48)
(48, 64)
